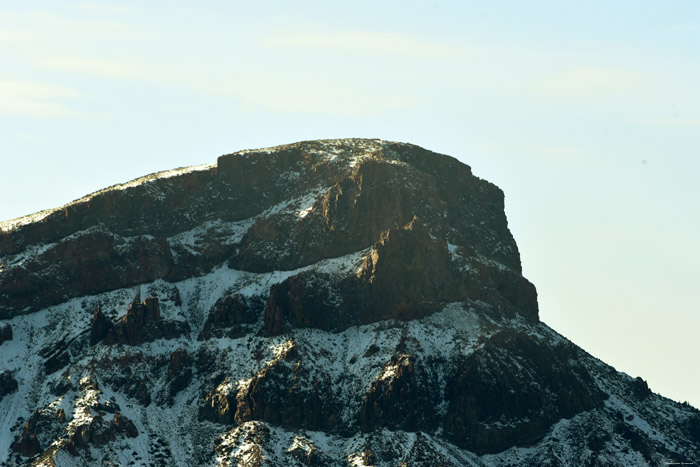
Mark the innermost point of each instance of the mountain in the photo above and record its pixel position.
(341, 302)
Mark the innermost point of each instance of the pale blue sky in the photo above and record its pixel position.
(587, 115)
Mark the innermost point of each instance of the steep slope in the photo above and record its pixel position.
(344, 302)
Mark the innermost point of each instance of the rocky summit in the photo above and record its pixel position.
(325, 303)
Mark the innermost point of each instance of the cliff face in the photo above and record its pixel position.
(322, 303)
(242, 212)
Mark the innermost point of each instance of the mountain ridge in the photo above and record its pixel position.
(335, 302)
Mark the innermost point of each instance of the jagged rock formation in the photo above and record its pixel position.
(349, 302)
(142, 323)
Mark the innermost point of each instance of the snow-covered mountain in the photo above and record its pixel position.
(342, 302)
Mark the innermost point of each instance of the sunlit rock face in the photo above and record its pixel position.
(341, 302)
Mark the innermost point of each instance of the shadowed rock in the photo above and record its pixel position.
(8, 383)
(141, 323)
(5, 333)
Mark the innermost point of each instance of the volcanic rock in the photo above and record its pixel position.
(322, 303)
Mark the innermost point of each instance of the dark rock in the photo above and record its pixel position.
(91, 262)
(424, 454)
(371, 350)
(522, 384)
(43, 424)
(138, 325)
(402, 401)
(8, 383)
(179, 371)
(142, 323)
(131, 373)
(180, 361)
(349, 217)
(101, 326)
(693, 427)
(310, 299)
(140, 392)
(5, 333)
(640, 388)
(116, 238)
(124, 426)
(98, 432)
(56, 356)
(219, 404)
(230, 315)
(311, 456)
(254, 435)
(283, 394)
(205, 360)
(61, 385)
(407, 275)
(27, 446)
(597, 440)
(638, 441)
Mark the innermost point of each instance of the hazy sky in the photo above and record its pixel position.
(587, 115)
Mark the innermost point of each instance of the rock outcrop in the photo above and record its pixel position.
(8, 383)
(5, 333)
(141, 323)
(323, 303)
(122, 237)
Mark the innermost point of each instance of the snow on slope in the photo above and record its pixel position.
(38, 216)
(454, 331)
(351, 363)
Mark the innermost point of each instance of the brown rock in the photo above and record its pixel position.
(310, 299)
(99, 432)
(43, 424)
(407, 275)
(27, 446)
(219, 404)
(141, 323)
(90, 262)
(124, 426)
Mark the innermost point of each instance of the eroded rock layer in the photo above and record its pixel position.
(345, 302)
